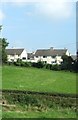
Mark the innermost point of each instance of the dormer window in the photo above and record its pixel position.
(44, 56)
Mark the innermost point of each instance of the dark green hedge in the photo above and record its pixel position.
(64, 66)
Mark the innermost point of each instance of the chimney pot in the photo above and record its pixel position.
(51, 48)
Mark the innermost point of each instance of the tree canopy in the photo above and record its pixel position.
(3, 45)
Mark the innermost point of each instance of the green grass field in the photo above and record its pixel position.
(34, 79)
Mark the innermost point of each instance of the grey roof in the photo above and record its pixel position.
(50, 52)
(74, 57)
(14, 51)
(30, 55)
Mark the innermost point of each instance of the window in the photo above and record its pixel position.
(28, 58)
(24, 58)
(53, 62)
(44, 56)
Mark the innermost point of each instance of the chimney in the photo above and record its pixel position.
(33, 52)
(51, 48)
(64, 47)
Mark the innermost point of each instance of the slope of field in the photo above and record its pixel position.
(33, 79)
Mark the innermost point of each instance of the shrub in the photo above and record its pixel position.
(22, 64)
(56, 67)
(65, 65)
(25, 64)
(16, 63)
(48, 66)
(75, 66)
(28, 64)
(34, 64)
(39, 64)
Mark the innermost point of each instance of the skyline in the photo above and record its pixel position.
(39, 25)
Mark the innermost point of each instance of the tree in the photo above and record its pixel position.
(67, 62)
(0, 51)
(4, 45)
(75, 66)
(0, 47)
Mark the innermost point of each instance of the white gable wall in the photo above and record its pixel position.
(14, 58)
(23, 54)
(67, 53)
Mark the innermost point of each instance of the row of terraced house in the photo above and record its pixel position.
(49, 56)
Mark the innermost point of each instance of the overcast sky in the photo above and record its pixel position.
(37, 24)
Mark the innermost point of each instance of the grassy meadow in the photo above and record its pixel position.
(33, 79)
(41, 80)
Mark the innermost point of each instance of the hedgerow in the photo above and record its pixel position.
(40, 64)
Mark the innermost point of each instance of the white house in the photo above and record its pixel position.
(50, 56)
(14, 54)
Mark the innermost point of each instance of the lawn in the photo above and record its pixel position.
(33, 79)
